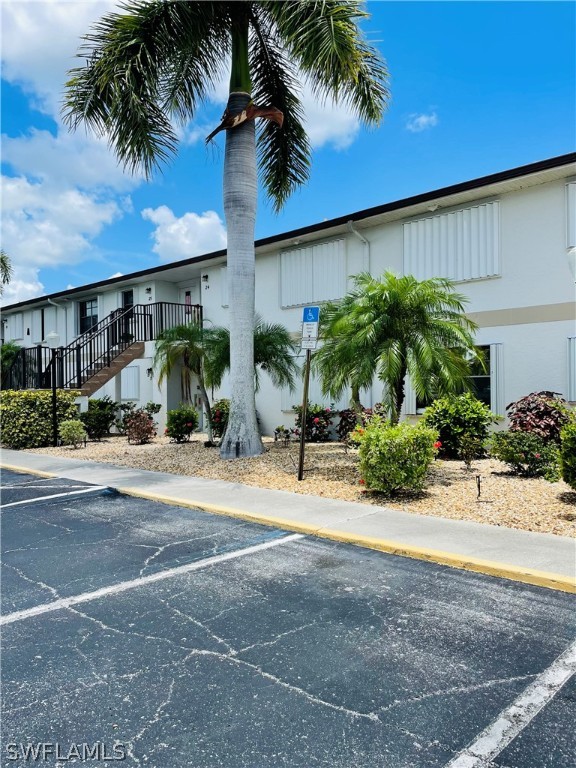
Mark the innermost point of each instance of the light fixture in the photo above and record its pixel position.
(148, 290)
(205, 278)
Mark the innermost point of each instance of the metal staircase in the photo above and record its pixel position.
(102, 352)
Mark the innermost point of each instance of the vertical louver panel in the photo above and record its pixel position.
(36, 326)
(462, 245)
(497, 404)
(312, 274)
(130, 383)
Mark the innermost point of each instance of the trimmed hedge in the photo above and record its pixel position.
(181, 422)
(26, 416)
(395, 458)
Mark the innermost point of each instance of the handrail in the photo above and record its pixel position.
(99, 346)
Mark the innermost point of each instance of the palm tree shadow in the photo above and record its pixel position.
(568, 497)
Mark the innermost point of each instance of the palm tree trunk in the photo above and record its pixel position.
(240, 197)
(355, 403)
(206, 403)
(399, 396)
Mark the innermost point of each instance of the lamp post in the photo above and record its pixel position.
(53, 341)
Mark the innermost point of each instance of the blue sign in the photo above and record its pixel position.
(311, 315)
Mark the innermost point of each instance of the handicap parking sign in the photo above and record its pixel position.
(311, 315)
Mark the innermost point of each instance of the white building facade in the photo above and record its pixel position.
(507, 240)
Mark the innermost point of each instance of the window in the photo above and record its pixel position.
(462, 245)
(87, 314)
(480, 376)
(16, 326)
(312, 274)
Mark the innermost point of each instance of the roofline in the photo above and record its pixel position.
(482, 181)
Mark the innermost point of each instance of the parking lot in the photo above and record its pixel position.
(169, 637)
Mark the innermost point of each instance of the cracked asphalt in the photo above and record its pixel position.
(183, 639)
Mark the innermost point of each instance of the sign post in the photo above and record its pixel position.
(310, 321)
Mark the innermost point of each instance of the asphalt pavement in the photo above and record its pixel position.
(168, 637)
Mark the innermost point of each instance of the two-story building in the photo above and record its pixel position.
(508, 240)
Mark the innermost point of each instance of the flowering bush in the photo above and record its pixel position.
(181, 422)
(541, 413)
(527, 454)
(140, 427)
(318, 422)
(396, 457)
(128, 409)
(458, 417)
(568, 454)
(220, 411)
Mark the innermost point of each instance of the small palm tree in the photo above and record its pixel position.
(274, 353)
(392, 327)
(184, 345)
(5, 270)
(153, 64)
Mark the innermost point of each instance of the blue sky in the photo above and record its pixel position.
(477, 87)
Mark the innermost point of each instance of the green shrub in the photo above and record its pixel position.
(140, 427)
(568, 454)
(470, 448)
(458, 416)
(220, 411)
(527, 454)
(99, 417)
(395, 458)
(318, 422)
(181, 422)
(26, 416)
(542, 413)
(72, 433)
(128, 409)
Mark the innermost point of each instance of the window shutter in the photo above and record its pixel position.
(571, 392)
(130, 383)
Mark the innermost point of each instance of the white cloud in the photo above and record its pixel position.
(418, 123)
(44, 226)
(39, 43)
(190, 235)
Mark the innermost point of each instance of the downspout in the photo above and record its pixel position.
(363, 240)
(65, 308)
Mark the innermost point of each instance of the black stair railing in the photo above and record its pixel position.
(98, 347)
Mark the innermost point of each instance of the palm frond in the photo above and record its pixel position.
(153, 61)
(324, 39)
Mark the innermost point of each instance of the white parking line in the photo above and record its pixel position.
(92, 489)
(512, 720)
(114, 589)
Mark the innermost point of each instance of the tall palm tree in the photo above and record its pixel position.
(274, 353)
(156, 62)
(184, 345)
(391, 327)
(5, 270)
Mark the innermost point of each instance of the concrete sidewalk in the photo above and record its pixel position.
(534, 558)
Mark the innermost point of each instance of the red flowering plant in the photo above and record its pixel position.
(220, 411)
(181, 422)
(318, 422)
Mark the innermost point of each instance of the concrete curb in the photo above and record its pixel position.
(464, 562)
(501, 570)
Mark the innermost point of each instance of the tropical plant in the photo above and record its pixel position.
(180, 423)
(5, 270)
(153, 65)
(220, 412)
(8, 354)
(394, 457)
(391, 327)
(185, 345)
(543, 413)
(568, 454)
(72, 432)
(140, 427)
(274, 353)
(318, 422)
(99, 417)
(457, 419)
(527, 454)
